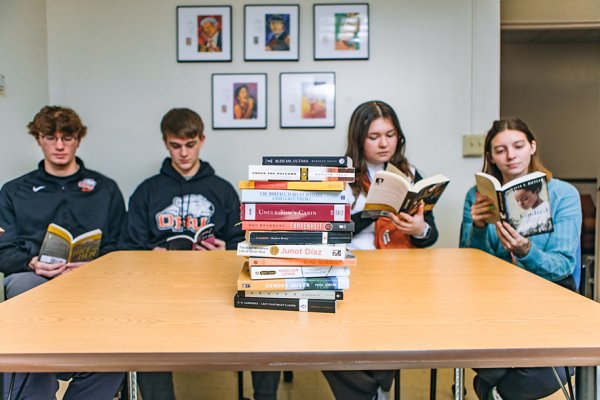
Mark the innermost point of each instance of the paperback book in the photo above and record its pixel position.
(298, 226)
(264, 272)
(186, 242)
(295, 294)
(324, 161)
(295, 212)
(60, 246)
(293, 185)
(349, 261)
(245, 282)
(299, 173)
(270, 303)
(292, 196)
(321, 251)
(523, 202)
(297, 237)
(391, 192)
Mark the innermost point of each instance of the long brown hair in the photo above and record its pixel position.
(516, 124)
(358, 129)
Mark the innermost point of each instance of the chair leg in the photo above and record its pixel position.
(288, 376)
(397, 385)
(433, 384)
(561, 384)
(240, 375)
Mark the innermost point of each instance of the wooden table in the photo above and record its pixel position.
(405, 309)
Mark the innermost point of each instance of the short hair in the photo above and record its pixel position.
(52, 119)
(209, 20)
(276, 18)
(183, 123)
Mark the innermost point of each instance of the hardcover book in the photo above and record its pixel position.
(295, 294)
(523, 202)
(293, 185)
(292, 196)
(320, 251)
(324, 283)
(392, 193)
(264, 272)
(59, 245)
(298, 226)
(349, 261)
(186, 242)
(270, 303)
(295, 212)
(299, 173)
(297, 237)
(324, 161)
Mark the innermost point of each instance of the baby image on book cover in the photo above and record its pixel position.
(528, 207)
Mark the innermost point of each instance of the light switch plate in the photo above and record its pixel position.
(473, 145)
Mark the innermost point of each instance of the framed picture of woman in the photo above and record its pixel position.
(239, 101)
(307, 100)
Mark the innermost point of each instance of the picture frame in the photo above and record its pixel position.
(341, 31)
(204, 34)
(271, 32)
(239, 101)
(307, 99)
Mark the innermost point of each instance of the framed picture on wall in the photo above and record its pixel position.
(239, 101)
(341, 31)
(271, 33)
(203, 33)
(307, 100)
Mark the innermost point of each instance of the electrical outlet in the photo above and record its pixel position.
(473, 145)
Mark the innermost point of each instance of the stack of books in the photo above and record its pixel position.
(297, 222)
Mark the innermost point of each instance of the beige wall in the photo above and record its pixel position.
(558, 12)
(555, 88)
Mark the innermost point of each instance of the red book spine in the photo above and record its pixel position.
(295, 212)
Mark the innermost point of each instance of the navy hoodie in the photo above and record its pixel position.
(79, 203)
(168, 204)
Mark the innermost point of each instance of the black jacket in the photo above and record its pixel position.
(79, 203)
(167, 204)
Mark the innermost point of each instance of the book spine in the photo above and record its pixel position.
(295, 212)
(292, 196)
(276, 272)
(267, 261)
(326, 161)
(269, 303)
(293, 185)
(297, 173)
(298, 226)
(274, 237)
(295, 294)
(322, 251)
(322, 283)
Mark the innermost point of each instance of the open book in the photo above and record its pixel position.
(186, 242)
(523, 202)
(60, 246)
(392, 193)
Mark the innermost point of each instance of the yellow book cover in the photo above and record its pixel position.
(59, 245)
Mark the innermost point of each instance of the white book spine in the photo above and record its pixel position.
(262, 272)
(292, 196)
(317, 251)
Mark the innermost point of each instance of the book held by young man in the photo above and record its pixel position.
(322, 161)
(186, 242)
(60, 246)
(391, 192)
(523, 202)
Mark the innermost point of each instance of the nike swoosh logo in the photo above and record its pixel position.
(38, 188)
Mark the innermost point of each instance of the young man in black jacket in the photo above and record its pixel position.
(184, 197)
(61, 191)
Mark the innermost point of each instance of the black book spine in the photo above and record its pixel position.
(312, 161)
(266, 303)
(299, 237)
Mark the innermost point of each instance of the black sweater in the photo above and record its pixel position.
(79, 203)
(168, 204)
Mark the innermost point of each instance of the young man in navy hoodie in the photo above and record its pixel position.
(184, 197)
(61, 191)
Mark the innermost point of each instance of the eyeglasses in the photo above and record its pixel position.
(52, 139)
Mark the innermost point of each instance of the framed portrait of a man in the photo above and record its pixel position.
(203, 33)
(271, 33)
(239, 101)
(341, 31)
